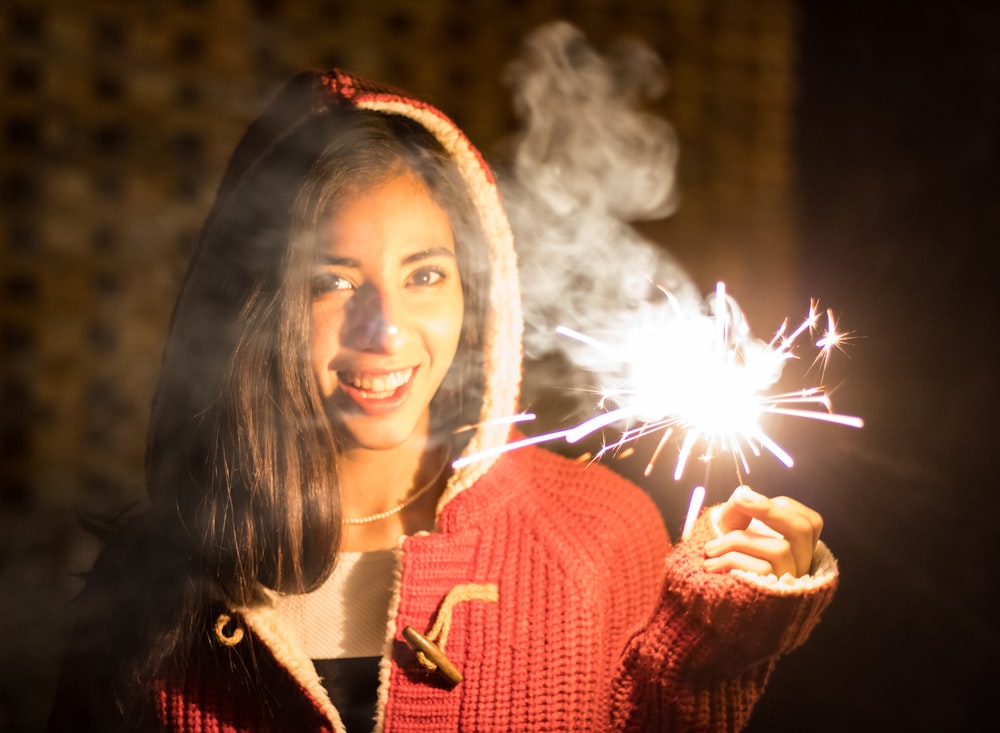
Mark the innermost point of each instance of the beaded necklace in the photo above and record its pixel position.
(412, 497)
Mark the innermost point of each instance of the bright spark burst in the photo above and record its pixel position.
(704, 379)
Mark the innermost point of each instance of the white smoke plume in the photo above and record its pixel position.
(587, 161)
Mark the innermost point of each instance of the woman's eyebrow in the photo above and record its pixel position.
(426, 254)
(338, 261)
(423, 254)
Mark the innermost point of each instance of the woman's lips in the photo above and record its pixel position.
(377, 392)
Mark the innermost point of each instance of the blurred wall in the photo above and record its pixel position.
(117, 121)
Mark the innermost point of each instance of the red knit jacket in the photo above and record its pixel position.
(597, 623)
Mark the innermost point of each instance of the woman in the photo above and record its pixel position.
(310, 561)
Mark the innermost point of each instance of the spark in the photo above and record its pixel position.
(832, 339)
(694, 506)
(698, 376)
(509, 419)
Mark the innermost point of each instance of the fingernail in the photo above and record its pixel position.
(711, 546)
(750, 497)
(711, 564)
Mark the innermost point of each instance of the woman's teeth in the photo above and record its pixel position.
(377, 384)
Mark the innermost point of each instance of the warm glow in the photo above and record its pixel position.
(702, 377)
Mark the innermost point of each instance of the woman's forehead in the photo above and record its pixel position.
(397, 217)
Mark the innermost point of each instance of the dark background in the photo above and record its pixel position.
(898, 170)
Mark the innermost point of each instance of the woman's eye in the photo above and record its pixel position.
(328, 282)
(427, 276)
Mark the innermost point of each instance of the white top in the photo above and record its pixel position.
(347, 616)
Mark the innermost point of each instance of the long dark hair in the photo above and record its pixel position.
(253, 476)
(241, 458)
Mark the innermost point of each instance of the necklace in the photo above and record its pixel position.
(414, 495)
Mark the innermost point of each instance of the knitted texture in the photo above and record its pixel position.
(585, 633)
(714, 642)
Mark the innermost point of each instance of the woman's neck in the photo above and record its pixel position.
(376, 482)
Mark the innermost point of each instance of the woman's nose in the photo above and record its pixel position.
(373, 322)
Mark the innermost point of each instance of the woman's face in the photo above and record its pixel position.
(387, 310)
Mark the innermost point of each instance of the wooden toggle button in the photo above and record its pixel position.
(433, 657)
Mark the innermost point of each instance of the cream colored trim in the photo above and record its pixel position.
(265, 622)
(385, 665)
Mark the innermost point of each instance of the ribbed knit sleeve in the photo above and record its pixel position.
(704, 657)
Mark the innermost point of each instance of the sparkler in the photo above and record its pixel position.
(703, 378)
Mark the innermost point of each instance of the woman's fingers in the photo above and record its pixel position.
(741, 508)
(800, 517)
(739, 561)
(798, 526)
(746, 550)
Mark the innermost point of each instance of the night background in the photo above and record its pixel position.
(898, 169)
(844, 151)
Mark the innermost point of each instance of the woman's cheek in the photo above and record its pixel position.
(324, 345)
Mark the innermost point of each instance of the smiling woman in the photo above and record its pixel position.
(315, 556)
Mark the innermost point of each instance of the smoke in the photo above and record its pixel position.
(588, 161)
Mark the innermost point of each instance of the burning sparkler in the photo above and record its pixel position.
(589, 160)
(702, 377)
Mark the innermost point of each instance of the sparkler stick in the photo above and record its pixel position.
(704, 378)
(694, 506)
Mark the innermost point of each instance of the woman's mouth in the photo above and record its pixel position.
(376, 392)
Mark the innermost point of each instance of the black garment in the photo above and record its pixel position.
(352, 685)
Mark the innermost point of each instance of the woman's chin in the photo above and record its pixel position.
(382, 432)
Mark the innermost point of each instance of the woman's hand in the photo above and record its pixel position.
(743, 547)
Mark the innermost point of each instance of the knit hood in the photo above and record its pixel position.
(268, 163)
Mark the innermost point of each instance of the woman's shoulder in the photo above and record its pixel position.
(558, 477)
(137, 553)
(601, 531)
(583, 495)
(140, 591)
(127, 619)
